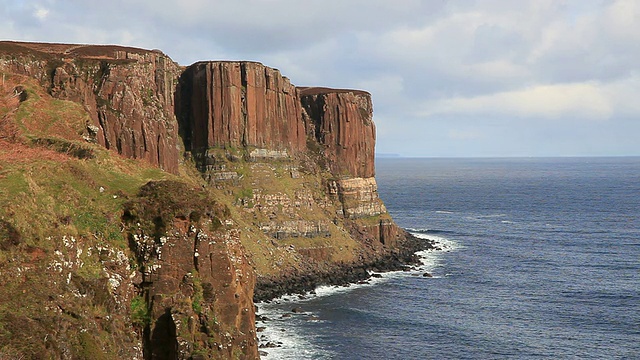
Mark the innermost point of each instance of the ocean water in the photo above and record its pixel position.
(540, 260)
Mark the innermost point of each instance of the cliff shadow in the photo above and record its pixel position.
(163, 344)
(182, 110)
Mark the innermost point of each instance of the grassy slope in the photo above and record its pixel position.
(56, 210)
(271, 256)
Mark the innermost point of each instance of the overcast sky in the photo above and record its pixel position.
(448, 77)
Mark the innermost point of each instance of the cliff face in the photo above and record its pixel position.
(239, 104)
(192, 273)
(127, 92)
(285, 199)
(342, 122)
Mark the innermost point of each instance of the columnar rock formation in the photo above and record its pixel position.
(342, 122)
(239, 104)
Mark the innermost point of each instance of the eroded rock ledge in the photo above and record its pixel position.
(128, 93)
(300, 281)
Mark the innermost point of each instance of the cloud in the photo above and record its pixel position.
(41, 13)
(588, 100)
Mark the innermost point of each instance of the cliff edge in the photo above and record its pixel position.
(146, 206)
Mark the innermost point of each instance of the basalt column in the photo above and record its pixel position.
(239, 104)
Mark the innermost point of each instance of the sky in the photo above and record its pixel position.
(449, 78)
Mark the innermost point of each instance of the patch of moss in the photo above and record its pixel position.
(89, 348)
(198, 295)
(75, 149)
(140, 315)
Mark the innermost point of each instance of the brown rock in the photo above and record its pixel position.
(239, 104)
(191, 271)
(341, 121)
(127, 92)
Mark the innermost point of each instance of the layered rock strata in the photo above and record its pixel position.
(342, 123)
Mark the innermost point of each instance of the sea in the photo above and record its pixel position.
(539, 259)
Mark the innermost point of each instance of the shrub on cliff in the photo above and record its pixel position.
(158, 203)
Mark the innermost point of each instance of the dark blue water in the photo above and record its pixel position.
(543, 262)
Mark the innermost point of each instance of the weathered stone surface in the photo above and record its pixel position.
(296, 228)
(341, 121)
(127, 92)
(200, 281)
(239, 104)
(358, 196)
(197, 282)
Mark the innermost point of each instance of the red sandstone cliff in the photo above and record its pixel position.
(342, 123)
(127, 92)
(239, 104)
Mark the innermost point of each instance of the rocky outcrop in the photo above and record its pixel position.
(193, 275)
(239, 104)
(127, 92)
(341, 121)
(358, 196)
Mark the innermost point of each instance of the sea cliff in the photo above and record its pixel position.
(147, 205)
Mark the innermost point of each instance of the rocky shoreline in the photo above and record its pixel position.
(307, 280)
(405, 258)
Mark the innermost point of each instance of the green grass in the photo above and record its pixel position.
(43, 201)
(26, 109)
(44, 198)
(61, 112)
(198, 298)
(140, 315)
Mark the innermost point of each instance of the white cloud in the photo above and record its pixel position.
(40, 13)
(621, 20)
(585, 100)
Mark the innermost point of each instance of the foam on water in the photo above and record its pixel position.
(278, 329)
(290, 345)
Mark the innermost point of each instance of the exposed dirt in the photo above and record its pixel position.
(14, 153)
